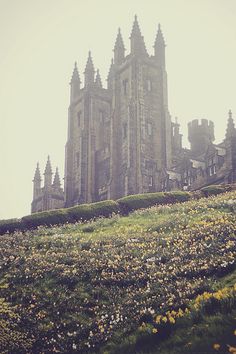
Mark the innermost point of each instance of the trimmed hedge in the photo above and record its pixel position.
(215, 189)
(140, 201)
(81, 212)
(47, 218)
(89, 211)
(106, 208)
(9, 225)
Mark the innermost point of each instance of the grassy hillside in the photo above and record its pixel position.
(124, 284)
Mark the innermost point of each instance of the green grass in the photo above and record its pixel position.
(88, 286)
(195, 334)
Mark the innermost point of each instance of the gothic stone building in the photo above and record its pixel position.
(121, 139)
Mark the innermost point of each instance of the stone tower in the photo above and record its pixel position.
(119, 138)
(88, 136)
(200, 135)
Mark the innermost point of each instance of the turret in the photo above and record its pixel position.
(230, 145)
(89, 72)
(98, 81)
(48, 174)
(75, 84)
(136, 40)
(200, 135)
(119, 49)
(56, 181)
(36, 182)
(176, 136)
(230, 130)
(159, 48)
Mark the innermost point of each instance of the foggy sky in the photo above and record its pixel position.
(39, 42)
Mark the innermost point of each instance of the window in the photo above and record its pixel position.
(149, 129)
(79, 118)
(212, 166)
(101, 116)
(187, 180)
(149, 85)
(125, 130)
(150, 181)
(125, 86)
(77, 159)
(164, 185)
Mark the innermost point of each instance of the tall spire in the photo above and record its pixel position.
(37, 175)
(119, 49)
(230, 130)
(89, 72)
(56, 181)
(48, 173)
(75, 84)
(137, 41)
(36, 182)
(98, 80)
(159, 47)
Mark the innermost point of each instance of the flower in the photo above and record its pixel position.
(216, 346)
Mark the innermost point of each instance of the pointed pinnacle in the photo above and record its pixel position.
(137, 41)
(111, 70)
(98, 80)
(75, 74)
(230, 130)
(89, 65)
(135, 30)
(56, 181)
(37, 175)
(48, 168)
(159, 37)
(119, 41)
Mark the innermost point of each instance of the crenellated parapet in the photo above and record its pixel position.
(200, 135)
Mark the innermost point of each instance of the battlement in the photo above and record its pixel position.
(201, 127)
(200, 135)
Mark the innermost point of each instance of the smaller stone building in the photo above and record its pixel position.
(51, 195)
(204, 163)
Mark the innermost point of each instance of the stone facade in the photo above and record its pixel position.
(121, 139)
(51, 195)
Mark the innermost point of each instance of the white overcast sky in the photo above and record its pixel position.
(41, 39)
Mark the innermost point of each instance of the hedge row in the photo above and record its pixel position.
(217, 189)
(106, 208)
(139, 201)
(81, 212)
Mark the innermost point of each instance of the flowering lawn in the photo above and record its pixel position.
(85, 287)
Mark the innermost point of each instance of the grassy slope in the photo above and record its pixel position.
(197, 334)
(76, 286)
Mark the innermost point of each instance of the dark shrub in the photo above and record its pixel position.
(138, 201)
(215, 189)
(60, 216)
(47, 218)
(178, 196)
(89, 211)
(9, 225)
